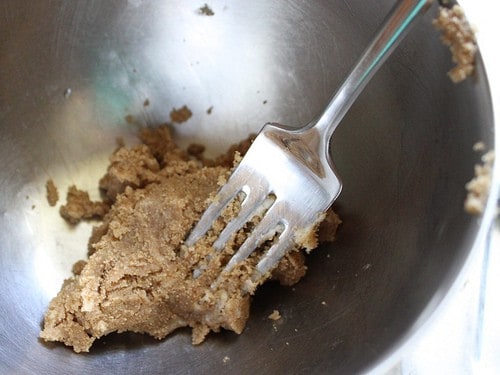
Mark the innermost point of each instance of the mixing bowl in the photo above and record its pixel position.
(76, 75)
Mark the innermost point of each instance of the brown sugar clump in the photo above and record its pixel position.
(161, 145)
(241, 148)
(52, 193)
(275, 315)
(79, 207)
(140, 276)
(206, 10)
(328, 227)
(134, 167)
(478, 189)
(180, 115)
(78, 267)
(459, 36)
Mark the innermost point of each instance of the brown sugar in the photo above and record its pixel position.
(459, 36)
(180, 115)
(206, 10)
(478, 189)
(275, 315)
(52, 192)
(139, 275)
(79, 207)
(135, 167)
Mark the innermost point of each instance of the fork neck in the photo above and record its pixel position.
(391, 33)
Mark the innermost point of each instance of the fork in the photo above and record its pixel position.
(287, 176)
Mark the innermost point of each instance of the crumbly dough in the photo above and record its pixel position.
(459, 36)
(52, 193)
(206, 10)
(180, 115)
(275, 315)
(79, 207)
(479, 187)
(139, 275)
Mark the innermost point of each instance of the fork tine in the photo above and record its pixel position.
(262, 232)
(255, 203)
(275, 253)
(228, 192)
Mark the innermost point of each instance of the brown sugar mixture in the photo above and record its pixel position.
(139, 276)
(52, 193)
(206, 10)
(459, 36)
(180, 115)
(79, 207)
(478, 189)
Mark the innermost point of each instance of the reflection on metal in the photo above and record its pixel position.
(300, 150)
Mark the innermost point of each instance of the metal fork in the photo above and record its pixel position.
(287, 175)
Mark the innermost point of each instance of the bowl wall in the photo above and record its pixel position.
(70, 72)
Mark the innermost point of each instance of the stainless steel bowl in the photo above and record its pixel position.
(70, 71)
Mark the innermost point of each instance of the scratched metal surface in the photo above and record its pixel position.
(71, 71)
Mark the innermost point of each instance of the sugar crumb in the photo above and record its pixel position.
(52, 193)
(79, 207)
(479, 146)
(458, 35)
(275, 315)
(206, 10)
(180, 115)
(478, 188)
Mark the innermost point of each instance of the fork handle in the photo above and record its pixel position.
(392, 32)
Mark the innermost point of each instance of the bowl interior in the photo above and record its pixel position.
(72, 71)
